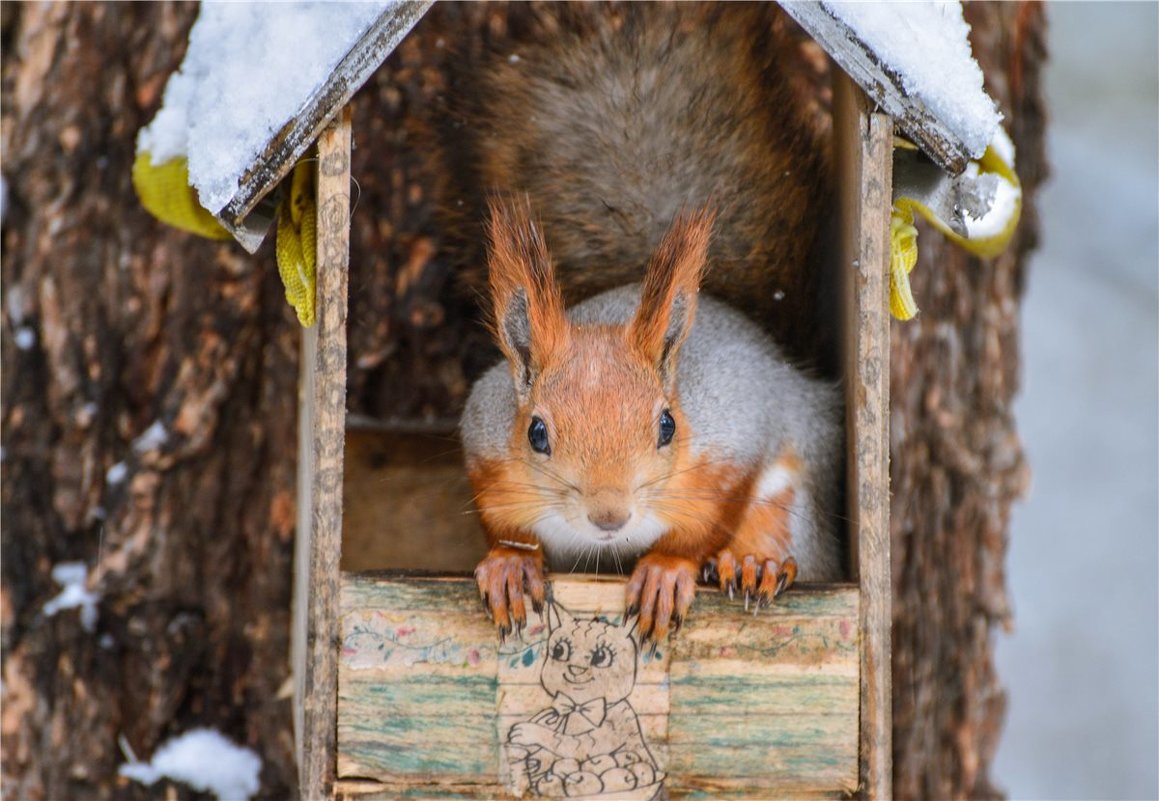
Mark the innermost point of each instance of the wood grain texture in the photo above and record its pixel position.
(864, 149)
(737, 705)
(322, 426)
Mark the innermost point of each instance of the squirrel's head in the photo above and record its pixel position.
(598, 429)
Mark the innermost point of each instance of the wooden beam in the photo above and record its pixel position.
(864, 143)
(289, 143)
(321, 434)
(736, 705)
(884, 87)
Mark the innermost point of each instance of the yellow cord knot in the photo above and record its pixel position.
(986, 235)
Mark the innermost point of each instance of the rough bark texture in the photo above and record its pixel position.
(115, 326)
(113, 323)
(956, 460)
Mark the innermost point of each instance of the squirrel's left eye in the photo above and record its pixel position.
(537, 436)
(667, 428)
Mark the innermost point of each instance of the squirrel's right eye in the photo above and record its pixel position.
(561, 651)
(537, 436)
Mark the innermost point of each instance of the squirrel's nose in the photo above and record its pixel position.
(609, 519)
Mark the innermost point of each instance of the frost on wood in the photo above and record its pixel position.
(206, 761)
(927, 46)
(249, 69)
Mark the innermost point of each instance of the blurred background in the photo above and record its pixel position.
(1082, 665)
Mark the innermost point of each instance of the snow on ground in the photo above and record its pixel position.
(71, 577)
(1082, 667)
(206, 761)
(926, 44)
(249, 69)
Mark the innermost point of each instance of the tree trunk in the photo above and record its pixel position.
(956, 461)
(149, 397)
(149, 408)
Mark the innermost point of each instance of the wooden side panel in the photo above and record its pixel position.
(737, 705)
(321, 432)
(864, 148)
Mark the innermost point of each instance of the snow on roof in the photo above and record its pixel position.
(248, 71)
(914, 60)
(928, 46)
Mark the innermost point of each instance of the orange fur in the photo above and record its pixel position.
(519, 265)
(758, 559)
(671, 282)
(600, 390)
(763, 530)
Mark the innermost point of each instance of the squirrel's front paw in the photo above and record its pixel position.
(760, 579)
(507, 576)
(660, 592)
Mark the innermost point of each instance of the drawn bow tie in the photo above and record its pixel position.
(576, 718)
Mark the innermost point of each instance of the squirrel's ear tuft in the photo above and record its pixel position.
(528, 319)
(668, 296)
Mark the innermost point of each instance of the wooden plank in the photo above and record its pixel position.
(697, 788)
(288, 144)
(321, 429)
(737, 705)
(864, 147)
(936, 136)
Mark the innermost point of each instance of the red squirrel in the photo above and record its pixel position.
(648, 428)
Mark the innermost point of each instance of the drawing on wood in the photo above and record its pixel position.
(586, 741)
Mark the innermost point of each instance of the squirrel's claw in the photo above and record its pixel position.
(760, 580)
(507, 579)
(660, 592)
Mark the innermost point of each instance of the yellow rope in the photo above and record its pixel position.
(903, 244)
(165, 193)
(297, 242)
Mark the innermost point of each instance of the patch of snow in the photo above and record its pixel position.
(25, 338)
(927, 45)
(15, 303)
(153, 438)
(1003, 146)
(71, 576)
(117, 473)
(249, 69)
(1003, 202)
(206, 761)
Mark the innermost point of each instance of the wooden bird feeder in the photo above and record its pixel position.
(400, 686)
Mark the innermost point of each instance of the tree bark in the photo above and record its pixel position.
(149, 397)
(956, 460)
(149, 405)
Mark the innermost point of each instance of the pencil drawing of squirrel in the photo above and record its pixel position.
(589, 739)
(637, 154)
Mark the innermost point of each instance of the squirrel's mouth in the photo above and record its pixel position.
(567, 677)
